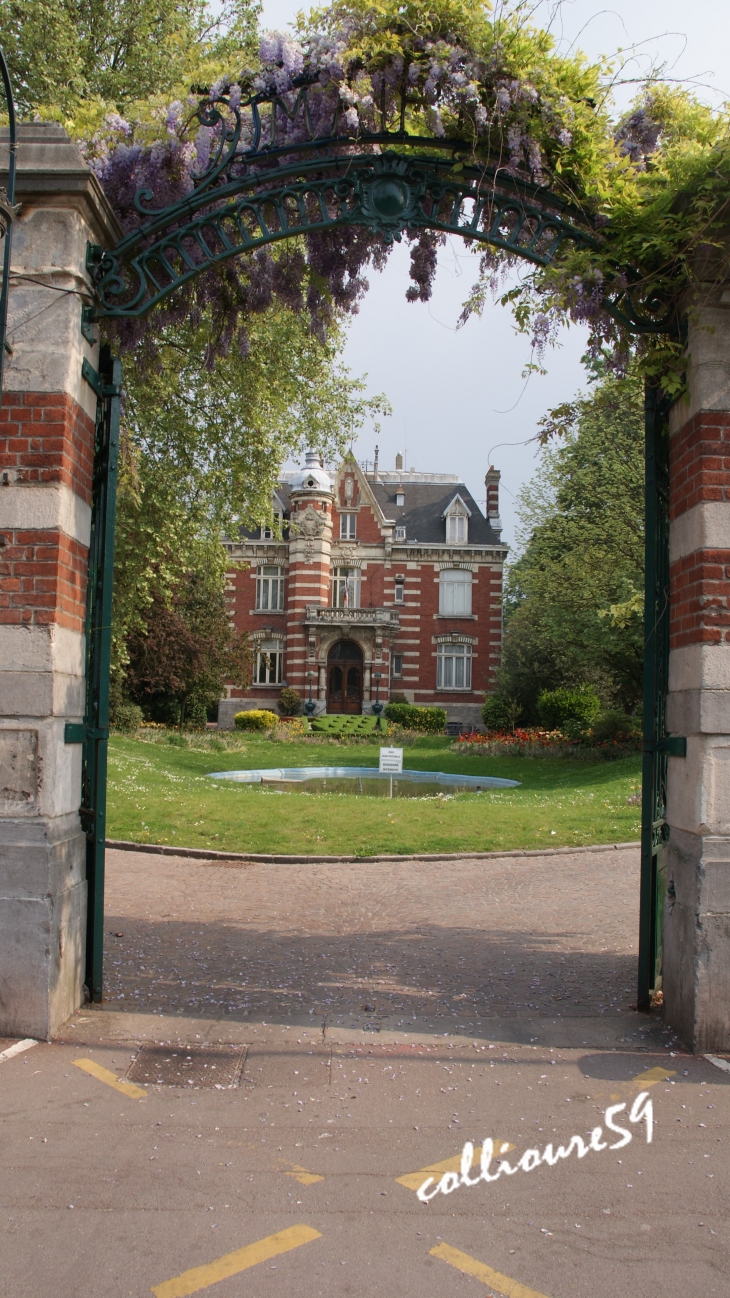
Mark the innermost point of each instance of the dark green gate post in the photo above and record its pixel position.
(95, 730)
(654, 829)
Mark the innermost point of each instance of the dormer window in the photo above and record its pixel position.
(400, 534)
(400, 498)
(456, 529)
(457, 517)
(267, 533)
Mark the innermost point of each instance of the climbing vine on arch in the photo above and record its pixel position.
(446, 78)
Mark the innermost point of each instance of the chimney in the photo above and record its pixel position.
(399, 461)
(491, 482)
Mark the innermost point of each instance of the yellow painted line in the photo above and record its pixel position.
(413, 1180)
(652, 1076)
(231, 1263)
(480, 1271)
(301, 1175)
(103, 1075)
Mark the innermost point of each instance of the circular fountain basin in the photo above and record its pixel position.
(366, 780)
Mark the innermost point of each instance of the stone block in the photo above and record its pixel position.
(41, 962)
(696, 940)
(19, 771)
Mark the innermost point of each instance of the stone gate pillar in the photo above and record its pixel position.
(46, 453)
(696, 955)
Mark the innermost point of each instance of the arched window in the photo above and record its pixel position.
(455, 593)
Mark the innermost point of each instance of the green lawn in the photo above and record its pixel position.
(159, 793)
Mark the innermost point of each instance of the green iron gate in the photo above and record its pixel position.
(283, 184)
(94, 732)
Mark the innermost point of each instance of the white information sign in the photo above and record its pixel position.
(391, 761)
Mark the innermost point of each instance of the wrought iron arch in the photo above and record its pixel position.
(287, 166)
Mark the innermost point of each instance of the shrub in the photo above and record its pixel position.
(411, 717)
(570, 711)
(610, 726)
(398, 698)
(500, 712)
(127, 716)
(255, 719)
(290, 702)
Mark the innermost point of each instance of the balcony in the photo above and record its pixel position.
(383, 618)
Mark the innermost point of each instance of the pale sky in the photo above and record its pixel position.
(458, 395)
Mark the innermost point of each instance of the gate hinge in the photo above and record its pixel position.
(88, 319)
(92, 378)
(77, 732)
(672, 745)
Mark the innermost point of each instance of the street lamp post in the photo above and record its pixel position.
(377, 705)
(8, 211)
(310, 704)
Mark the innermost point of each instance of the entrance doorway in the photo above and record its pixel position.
(344, 678)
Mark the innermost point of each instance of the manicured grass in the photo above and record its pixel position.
(159, 793)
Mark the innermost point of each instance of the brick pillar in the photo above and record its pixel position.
(491, 484)
(46, 454)
(696, 975)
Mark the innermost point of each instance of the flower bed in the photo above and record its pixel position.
(545, 743)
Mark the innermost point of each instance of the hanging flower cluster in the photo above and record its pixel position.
(437, 70)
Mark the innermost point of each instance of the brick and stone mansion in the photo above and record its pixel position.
(371, 583)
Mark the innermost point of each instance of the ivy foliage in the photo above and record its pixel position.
(573, 599)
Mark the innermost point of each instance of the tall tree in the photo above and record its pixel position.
(573, 599)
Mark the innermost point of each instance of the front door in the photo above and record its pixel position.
(344, 678)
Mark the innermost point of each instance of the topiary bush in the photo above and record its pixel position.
(290, 702)
(570, 711)
(398, 698)
(127, 716)
(255, 719)
(500, 713)
(411, 717)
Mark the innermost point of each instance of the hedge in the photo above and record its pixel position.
(255, 719)
(411, 717)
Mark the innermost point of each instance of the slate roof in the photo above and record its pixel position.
(422, 514)
(425, 504)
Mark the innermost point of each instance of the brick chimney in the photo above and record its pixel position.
(491, 483)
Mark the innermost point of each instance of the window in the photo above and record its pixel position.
(400, 534)
(397, 664)
(455, 592)
(456, 529)
(453, 670)
(346, 588)
(267, 533)
(269, 588)
(269, 663)
(347, 527)
(399, 591)
(400, 498)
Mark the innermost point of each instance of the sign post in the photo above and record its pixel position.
(391, 763)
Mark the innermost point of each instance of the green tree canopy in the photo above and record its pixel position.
(573, 599)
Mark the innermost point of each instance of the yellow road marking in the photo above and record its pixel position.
(301, 1175)
(103, 1075)
(231, 1263)
(652, 1076)
(480, 1271)
(414, 1180)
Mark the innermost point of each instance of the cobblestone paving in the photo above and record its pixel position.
(460, 946)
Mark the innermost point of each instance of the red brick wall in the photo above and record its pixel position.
(45, 438)
(699, 583)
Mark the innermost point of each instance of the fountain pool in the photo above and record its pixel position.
(365, 780)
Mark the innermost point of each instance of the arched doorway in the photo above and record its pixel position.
(344, 678)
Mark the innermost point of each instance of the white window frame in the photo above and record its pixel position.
(269, 668)
(346, 587)
(400, 499)
(348, 527)
(267, 533)
(398, 665)
(455, 592)
(269, 588)
(457, 529)
(399, 595)
(400, 534)
(453, 667)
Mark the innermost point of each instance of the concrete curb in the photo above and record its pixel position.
(199, 854)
